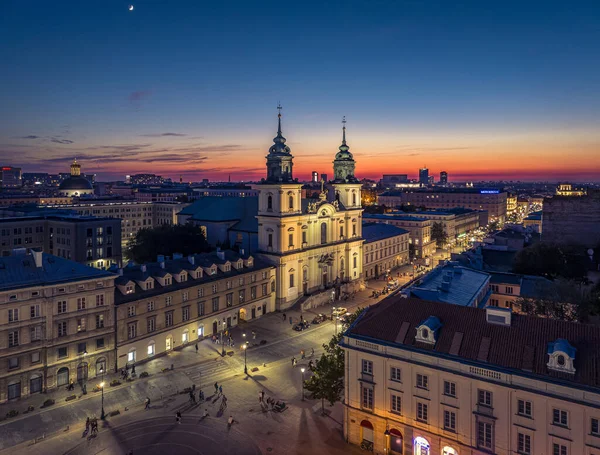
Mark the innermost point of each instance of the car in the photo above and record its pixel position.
(319, 318)
(339, 311)
(345, 318)
(301, 326)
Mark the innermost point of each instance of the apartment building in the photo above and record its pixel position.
(419, 230)
(385, 248)
(56, 323)
(85, 239)
(506, 288)
(428, 378)
(6, 200)
(491, 200)
(456, 222)
(173, 302)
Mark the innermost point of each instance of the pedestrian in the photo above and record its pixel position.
(205, 415)
(293, 360)
(254, 335)
(216, 387)
(262, 396)
(178, 417)
(220, 390)
(193, 387)
(127, 367)
(302, 355)
(284, 318)
(229, 422)
(312, 352)
(147, 402)
(87, 425)
(291, 320)
(196, 348)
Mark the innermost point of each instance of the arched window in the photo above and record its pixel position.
(396, 441)
(305, 274)
(353, 198)
(449, 451)
(367, 431)
(323, 232)
(291, 202)
(292, 279)
(269, 202)
(342, 269)
(62, 376)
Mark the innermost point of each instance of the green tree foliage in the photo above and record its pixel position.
(551, 261)
(166, 240)
(374, 209)
(439, 234)
(327, 381)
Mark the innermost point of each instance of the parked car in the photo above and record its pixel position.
(344, 318)
(301, 326)
(339, 311)
(319, 318)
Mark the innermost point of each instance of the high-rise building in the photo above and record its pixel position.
(10, 177)
(315, 177)
(424, 176)
(443, 178)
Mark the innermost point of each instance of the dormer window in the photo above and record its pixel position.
(213, 270)
(167, 281)
(182, 277)
(561, 356)
(427, 331)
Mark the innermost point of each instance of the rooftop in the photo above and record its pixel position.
(520, 348)
(505, 278)
(219, 209)
(439, 190)
(451, 284)
(392, 216)
(20, 271)
(373, 232)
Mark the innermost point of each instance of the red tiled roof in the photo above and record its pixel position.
(521, 347)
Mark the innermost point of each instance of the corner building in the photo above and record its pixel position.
(314, 244)
(429, 378)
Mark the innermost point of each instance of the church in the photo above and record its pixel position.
(315, 244)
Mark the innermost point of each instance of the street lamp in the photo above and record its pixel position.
(302, 371)
(102, 415)
(245, 348)
(337, 318)
(222, 345)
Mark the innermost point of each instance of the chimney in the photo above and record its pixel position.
(242, 252)
(220, 254)
(160, 258)
(143, 268)
(192, 259)
(162, 264)
(120, 272)
(498, 316)
(38, 258)
(177, 256)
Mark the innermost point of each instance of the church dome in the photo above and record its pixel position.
(76, 182)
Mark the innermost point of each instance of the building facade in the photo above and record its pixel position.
(491, 200)
(314, 244)
(426, 378)
(56, 323)
(10, 177)
(572, 220)
(419, 230)
(168, 304)
(385, 248)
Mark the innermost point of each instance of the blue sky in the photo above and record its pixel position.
(86, 77)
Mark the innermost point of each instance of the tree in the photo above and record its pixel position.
(166, 240)
(439, 234)
(551, 261)
(327, 381)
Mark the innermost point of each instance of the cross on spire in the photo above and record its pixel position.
(344, 130)
(279, 118)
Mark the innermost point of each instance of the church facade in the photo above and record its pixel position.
(314, 244)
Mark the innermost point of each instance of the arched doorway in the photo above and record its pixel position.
(242, 315)
(35, 383)
(396, 441)
(82, 372)
(100, 366)
(201, 331)
(169, 343)
(449, 451)
(215, 328)
(62, 376)
(342, 270)
(421, 446)
(185, 336)
(253, 312)
(366, 429)
(14, 390)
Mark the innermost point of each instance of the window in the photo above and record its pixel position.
(13, 362)
(100, 343)
(595, 428)
(290, 240)
(62, 352)
(422, 411)
(34, 311)
(524, 444)
(252, 292)
(62, 329)
(242, 295)
(509, 290)
(214, 289)
(291, 202)
(559, 449)
(395, 374)
(484, 435)
(150, 349)
(396, 404)
(291, 280)
(367, 367)
(450, 421)
(270, 202)
(168, 318)
(131, 330)
(367, 398)
(270, 237)
(81, 303)
(215, 304)
(151, 324)
(323, 232)
(36, 333)
(168, 301)
(130, 311)
(450, 389)
(228, 284)
(81, 348)
(185, 313)
(131, 356)
(560, 417)
(151, 306)
(184, 296)
(304, 237)
(484, 398)
(524, 408)
(62, 306)
(35, 357)
(13, 315)
(229, 299)
(200, 308)
(422, 381)
(100, 300)
(81, 323)
(200, 293)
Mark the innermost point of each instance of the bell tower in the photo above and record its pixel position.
(345, 187)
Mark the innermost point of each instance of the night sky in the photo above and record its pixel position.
(482, 89)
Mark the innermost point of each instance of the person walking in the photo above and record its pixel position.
(302, 355)
(291, 322)
(87, 425)
(284, 318)
(196, 348)
(178, 417)
(216, 387)
(293, 361)
(262, 396)
(312, 352)
(230, 422)
(147, 402)
(220, 390)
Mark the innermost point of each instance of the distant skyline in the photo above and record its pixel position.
(484, 91)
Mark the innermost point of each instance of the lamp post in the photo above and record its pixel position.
(245, 348)
(102, 415)
(386, 433)
(336, 323)
(222, 345)
(302, 372)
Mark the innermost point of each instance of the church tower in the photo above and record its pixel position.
(345, 187)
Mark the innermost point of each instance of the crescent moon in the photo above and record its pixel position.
(130, 7)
